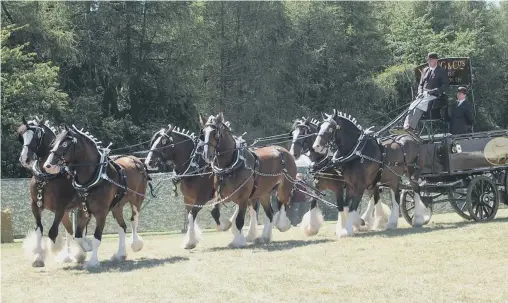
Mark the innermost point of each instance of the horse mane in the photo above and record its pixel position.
(183, 132)
(88, 136)
(350, 119)
(213, 120)
(301, 121)
(37, 122)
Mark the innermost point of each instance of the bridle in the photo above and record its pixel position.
(39, 134)
(67, 145)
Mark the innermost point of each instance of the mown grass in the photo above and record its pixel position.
(449, 260)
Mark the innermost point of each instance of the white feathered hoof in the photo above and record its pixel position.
(137, 245)
(38, 262)
(418, 221)
(118, 257)
(225, 225)
(238, 241)
(190, 246)
(92, 264)
(64, 257)
(251, 236)
(86, 244)
(343, 233)
(262, 240)
(283, 224)
(56, 246)
(312, 222)
(391, 225)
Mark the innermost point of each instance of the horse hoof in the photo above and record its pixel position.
(65, 258)
(117, 257)
(136, 245)
(417, 222)
(389, 226)
(262, 240)
(92, 264)
(38, 263)
(86, 245)
(344, 234)
(190, 246)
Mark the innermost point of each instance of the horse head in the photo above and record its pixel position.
(217, 138)
(172, 146)
(303, 134)
(36, 137)
(72, 146)
(339, 129)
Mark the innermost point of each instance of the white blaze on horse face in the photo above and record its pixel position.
(206, 149)
(50, 168)
(318, 146)
(296, 134)
(27, 139)
(150, 154)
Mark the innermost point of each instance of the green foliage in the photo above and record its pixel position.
(123, 69)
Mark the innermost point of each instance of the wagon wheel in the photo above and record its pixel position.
(459, 203)
(482, 199)
(407, 207)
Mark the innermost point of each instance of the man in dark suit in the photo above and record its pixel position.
(433, 82)
(461, 117)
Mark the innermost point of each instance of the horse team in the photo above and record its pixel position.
(71, 170)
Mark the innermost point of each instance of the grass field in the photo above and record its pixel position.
(448, 260)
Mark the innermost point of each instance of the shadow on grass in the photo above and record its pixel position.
(127, 265)
(276, 245)
(401, 232)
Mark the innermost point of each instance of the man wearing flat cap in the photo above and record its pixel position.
(461, 117)
(433, 83)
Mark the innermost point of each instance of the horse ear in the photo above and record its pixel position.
(24, 121)
(202, 120)
(335, 113)
(307, 121)
(220, 117)
(66, 128)
(170, 128)
(323, 116)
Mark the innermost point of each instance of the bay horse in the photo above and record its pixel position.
(102, 185)
(243, 175)
(47, 191)
(326, 177)
(365, 162)
(181, 149)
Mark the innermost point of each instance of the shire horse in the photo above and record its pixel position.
(365, 162)
(102, 185)
(47, 191)
(180, 149)
(326, 177)
(243, 175)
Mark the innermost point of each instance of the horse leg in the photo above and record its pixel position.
(239, 239)
(380, 211)
(32, 244)
(56, 243)
(266, 236)
(394, 216)
(312, 220)
(355, 197)
(222, 224)
(342, 205)
(82, 242)
(136, 240)
(100, 219)
(367, 219)
(65, 255)
(234, 229)
(253, 225)
(121, 254)
(193, 234)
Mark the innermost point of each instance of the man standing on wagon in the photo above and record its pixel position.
(461, 117)
(433, 83)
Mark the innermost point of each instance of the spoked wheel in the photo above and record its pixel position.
(482, 199)
(458, 202)
(407, 207)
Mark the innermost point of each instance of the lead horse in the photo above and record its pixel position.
(327, 177)
(180, 149)
(367, 161)
(53, 192)
(243, 175)
(102, 185)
